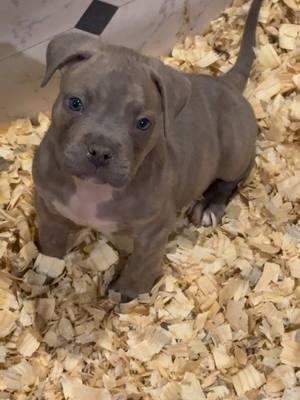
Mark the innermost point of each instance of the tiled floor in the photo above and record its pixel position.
(26, 23)
(26, 27)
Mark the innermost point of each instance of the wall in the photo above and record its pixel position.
(26, 26)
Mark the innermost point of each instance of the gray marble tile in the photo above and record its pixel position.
(169, 19)
(20, 91)
(136, 22)
(24, 24)
(152, 27)
(118, 3)
(200, 13)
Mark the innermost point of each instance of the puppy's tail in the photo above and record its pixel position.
(239, 73)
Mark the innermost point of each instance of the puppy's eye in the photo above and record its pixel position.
(75, 104)
(143, 124)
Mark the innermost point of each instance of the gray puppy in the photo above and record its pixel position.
(132, 142)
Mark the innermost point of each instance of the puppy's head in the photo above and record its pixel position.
(113, 108)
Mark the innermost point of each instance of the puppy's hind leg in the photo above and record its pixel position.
(214, 201)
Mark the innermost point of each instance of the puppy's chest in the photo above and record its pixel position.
(84, 205)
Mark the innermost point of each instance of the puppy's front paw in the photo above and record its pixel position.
(128, 289)
(127, 294)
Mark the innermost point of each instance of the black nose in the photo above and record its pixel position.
(98, 155)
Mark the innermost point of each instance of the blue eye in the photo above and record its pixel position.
(143, 124)
(75, 104)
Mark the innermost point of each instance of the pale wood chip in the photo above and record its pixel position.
(290, 187)
(235, 289)
(5, 191)
(191, 388)
(270, 274)
(286, 374)
(19, 376)
(29, 252)
(28, 343)
(237, 316)
(291, 394)
(7, 322)
(222, 358)
(247, 379)
(171, 391)
(51, 339)
(290, 354)
(34, 278)
(104, 340)
(268, 88)
(295, 108)
(103, 256)
(268, 57)
(74, 390)
(288, 34)
(294, 266)
(150, 343)
(72, 362)
(46, 307)
(3, 353)
(182, 330)
(65, 328)
(223, 333)
(7, 300)
(293, 4)
(180, 306)
(50, 266)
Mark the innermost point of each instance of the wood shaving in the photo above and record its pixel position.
(247, 379)
(8, 320)
(288, 36)
(191, 388)
(222, 324)
(103, 256)
(74, 390)
(49, 266)
(151, 342)
(28, 343)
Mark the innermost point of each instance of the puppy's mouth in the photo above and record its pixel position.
(116, 176)
(117, 181)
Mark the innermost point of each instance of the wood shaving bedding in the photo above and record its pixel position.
(223, 323)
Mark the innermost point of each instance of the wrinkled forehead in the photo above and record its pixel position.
(113, 84)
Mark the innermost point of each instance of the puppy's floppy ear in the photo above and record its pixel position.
(67, 48)
(174, 88)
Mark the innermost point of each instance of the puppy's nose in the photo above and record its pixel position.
(98, 155)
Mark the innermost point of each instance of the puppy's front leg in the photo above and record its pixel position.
(56, 233)
(144, 265)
